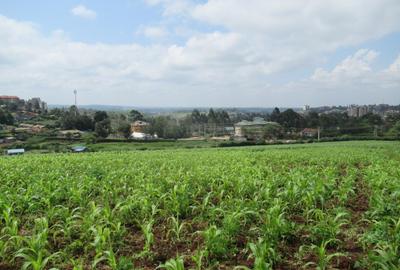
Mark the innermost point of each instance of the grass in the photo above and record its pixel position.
(324, 206)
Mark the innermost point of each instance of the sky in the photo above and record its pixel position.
(201, 53)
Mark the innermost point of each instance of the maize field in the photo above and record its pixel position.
(319, 206)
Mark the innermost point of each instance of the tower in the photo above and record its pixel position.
(76, 102)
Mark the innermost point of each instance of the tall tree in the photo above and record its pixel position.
(275, 115)
(100, 116)
(6, 117)
(103, 128)
(135, 115)
(291, 119)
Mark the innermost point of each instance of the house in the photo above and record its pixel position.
(251, 130)
(139, 126)
(9, 139)
(139, 131)
(79, 149)
(309, 132)
(30, 128)
(68, 134)
(14, 152)
(25, 115)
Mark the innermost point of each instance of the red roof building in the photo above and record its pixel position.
(9, 98)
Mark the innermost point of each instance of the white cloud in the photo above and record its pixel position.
(395, 67)
(153, 32)
(251, 43)
(173, 7)
(354, 66)
(84, 12)
(353, 80)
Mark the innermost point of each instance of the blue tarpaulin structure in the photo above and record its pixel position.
(79, 149)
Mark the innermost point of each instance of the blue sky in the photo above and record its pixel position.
(202, 53)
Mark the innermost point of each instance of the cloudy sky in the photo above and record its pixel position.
(201, 53)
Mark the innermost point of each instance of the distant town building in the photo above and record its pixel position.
(357, 111)
(9, 98)
(36, 105)
(306, 108)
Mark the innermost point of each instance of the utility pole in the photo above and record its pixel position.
(319, 133)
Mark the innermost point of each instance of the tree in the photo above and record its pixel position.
(272, 131)
(395, 130)
(125, 129)
(6, 118)
(135, 115)
(291, 119)
(71, 119)
(84, 122)
(166, 127)
(212, 119)
(373, 119)
(275, 115)
(312, 119)
(100, 116)
(103, 128)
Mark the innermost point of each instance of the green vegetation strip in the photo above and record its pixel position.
(324, 206)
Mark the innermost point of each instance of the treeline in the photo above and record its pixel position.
(215, 122)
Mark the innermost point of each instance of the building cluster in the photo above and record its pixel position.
(358, 111)
(28, 128)
(35, 105)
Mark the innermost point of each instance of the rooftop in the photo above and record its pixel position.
(256, 122)
(140, 123)
(8, 97)
(79, 148)
(15, 151)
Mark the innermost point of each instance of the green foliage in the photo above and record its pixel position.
(173, 264)
(103, 128)
(264, 255)
(323, 257)
(208, 208)
(6, 117)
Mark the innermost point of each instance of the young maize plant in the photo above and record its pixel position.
(264, 207)
(216, 242)
(326, 226)
(177, 228)
(9, 235)
(173, 264)
(35, 253)
(199, 258)
(147, 230)
(323, 257)
(264, 255)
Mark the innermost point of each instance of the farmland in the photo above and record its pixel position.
(319, 206)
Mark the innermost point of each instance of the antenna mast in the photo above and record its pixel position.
(76, 102)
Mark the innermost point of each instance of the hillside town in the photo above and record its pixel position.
(25, 122)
